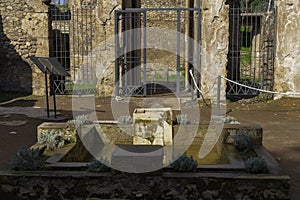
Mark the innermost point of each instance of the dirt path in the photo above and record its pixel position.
(279, 119)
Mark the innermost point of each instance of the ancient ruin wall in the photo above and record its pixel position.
(214, 43)
(101, 21)
(24, 29)
(287, 63)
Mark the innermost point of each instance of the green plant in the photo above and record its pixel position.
(230, 120)
(81, 120)
(52, 139)
(28, 159)
(181, 119)
(185, 164)
(243, 142)
(246, 57)
(254, 6)
(97, 166)
(125, 119)
(256, 165)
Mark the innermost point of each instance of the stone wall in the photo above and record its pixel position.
(214, 41)
(24, 26)
(101, 21)
(287, 62)
(25, 32)
(69, 185)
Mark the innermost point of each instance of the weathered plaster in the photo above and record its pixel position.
(287, 63)
(214, 41)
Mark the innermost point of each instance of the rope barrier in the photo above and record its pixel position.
(242, 85)
(263, 91)
(196, 85)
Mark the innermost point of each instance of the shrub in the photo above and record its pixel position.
(81, 120)
(185, 164)
(52, 139)
(125, 119)
(28, 159)
(181, 119)
(256, 165)
(243, 142)
(230, 120)
(97, 166)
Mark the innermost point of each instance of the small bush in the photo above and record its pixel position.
(181, 119)
(185, 164)
(256, 165)
(243, 142)
(28, 159)
(125, 119)
(52, 140)
(230, 120)
(81, 120)
(97, 166)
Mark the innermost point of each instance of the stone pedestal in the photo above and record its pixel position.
(152, 126)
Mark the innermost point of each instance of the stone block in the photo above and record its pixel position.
(255, 131)
(141, 141)
(152, 125)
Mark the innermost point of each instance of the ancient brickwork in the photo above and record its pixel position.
(24, 32)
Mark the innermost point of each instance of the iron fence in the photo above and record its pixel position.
(144, 70)
(73, 40)
(251, 48)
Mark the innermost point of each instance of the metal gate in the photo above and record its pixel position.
(73, 39)
(140, 70)
(251, 47)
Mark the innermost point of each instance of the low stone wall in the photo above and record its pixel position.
(255, 131)
(83, 185)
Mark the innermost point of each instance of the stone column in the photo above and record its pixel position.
(214, 41)
(287, 61)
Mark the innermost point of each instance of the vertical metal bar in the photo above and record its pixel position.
(191, 64)
(199, 52)
(54, 99)
(91, 48)
(78, 41)
(73, 41)
(86, 43)
(145, 53)
(82, 45)
(124, 51)
(117, 70)
(125, 86)
(57, 53)
(47, 97)
(238, 50)
(269, 51)
(178, 53)
(219, 96)
(274, 29)
(238, 39)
